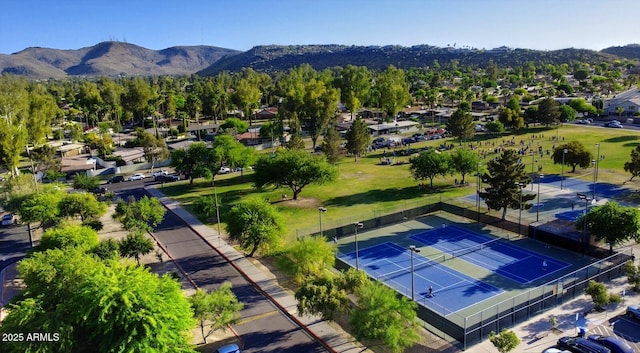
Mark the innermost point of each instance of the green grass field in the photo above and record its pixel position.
(365, 188)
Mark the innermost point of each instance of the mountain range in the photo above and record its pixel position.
(120, 58)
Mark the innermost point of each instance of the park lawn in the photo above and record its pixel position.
(365, 189)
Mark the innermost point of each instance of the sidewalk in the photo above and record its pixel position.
(339, 342)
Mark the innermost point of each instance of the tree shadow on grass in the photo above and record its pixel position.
(383, 195)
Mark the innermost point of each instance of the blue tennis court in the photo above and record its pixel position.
(391, 264)
(494, 254)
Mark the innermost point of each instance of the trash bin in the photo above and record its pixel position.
(582, 332)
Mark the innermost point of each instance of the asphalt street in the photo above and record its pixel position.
(14, 243)
(262, 327)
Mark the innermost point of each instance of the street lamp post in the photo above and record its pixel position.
(413, 249)
(321, 210)
(562, 173)
(595, 177)
(540, 176)
(357, 225)
(215, 193)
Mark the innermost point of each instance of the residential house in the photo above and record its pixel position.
(627, 102)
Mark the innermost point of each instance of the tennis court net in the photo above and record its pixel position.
(475, 248)
(424, 262)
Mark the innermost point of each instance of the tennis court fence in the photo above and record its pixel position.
(474, 328)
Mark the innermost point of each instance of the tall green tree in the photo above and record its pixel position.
(216, 309)
(14, 110)
(504, 177)
(320, 105)
(196, 161)
(393, 88)
(383, 317)
(81, 204)
(461, 124)
(612, 223)
(331, 145)
(354, 83)
(633, 166)
(135, 244)
(69, 236)
(42, 208)
(256, 224)
(577, 155)
(136, 98)
(548, 112)
(464, 161)
(142, 215)
(306, 257)
(429, 164)
(358, 138)
(294, 169)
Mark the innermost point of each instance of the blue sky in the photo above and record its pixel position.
(242, 24)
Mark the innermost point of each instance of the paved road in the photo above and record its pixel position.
(262, 326)
(14, 243)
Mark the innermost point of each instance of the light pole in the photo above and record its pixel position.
(478, 192)
(413, 249)
(520, 185)
(540, 176)
(321, 210)
(593, 162)
(357, 225)
(564, 151)
(596, 171)
(215, 193)
(584, 217)
(532, 165)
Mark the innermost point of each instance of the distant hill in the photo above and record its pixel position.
(274, 57)
(118, 58)
(630, 51)
(110, 59)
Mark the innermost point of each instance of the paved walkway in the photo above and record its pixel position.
(338, 341)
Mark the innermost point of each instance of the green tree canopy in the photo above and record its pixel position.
(461, 124)
(464, 161)
(429, 164)
(97, 306)
(256, 224)
(504, 179)
(393, 88)
(235, 125)
(141, 215)
(505, 342)
(577, 155)
(548, 112)
(69, 236)
(612, 223)
(43, 208)
(358, 138)
(307, 257)
(135, 245)
(83, 204)
(196, 161)
(384, 317)
(633, 166)
(216, 309)
(331, 145)
(294, 169)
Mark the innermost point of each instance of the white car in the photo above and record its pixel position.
(224, 170)
(7, 219)
(159, 173)
(136, 177)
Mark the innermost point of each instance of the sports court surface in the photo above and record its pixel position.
(389, 261)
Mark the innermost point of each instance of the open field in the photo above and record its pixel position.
(365, 186)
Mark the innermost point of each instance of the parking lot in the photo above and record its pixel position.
(622, 327)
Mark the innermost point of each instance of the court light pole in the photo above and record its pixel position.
(564, 151)
(321, 210)
(532, 165)
(478, 192)
(597, 170)
(520, 185)
(593, 162)
(584, 223)
(413, 249)
(540, 176)
(357, 225)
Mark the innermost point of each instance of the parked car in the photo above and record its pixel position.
(134, 177)
(230, 348)
(633, 311)
(159, 172)
(581, 345)
(555, 350)
(583, 122)
(100, 190)
(116, 179)
(224, 170)
(8, 219)
(614, 124)
(167, 178)
(616, 345)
